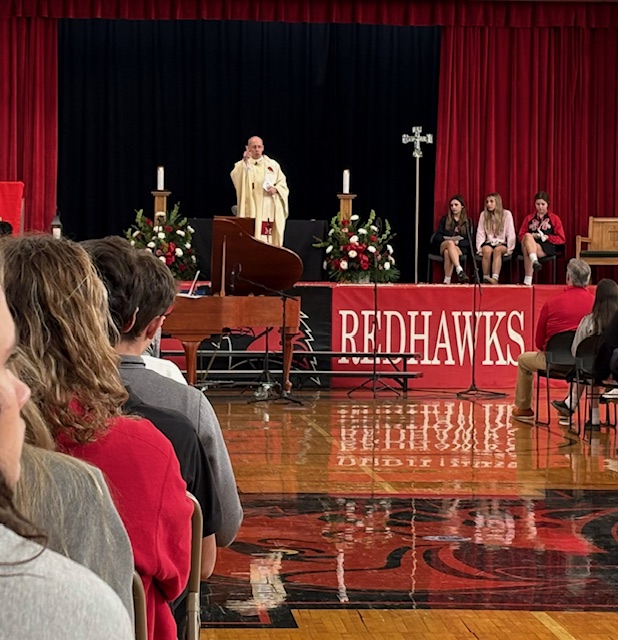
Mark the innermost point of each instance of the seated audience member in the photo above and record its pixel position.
(606, 359)
(44, 595)
(116, 261)
(69, 500)
(539, 234)
(6, 228)
(562, 313)
(495, 237)
(62, 322)
(153, 361)
(595, 323)
(451, 239)
(157, 295)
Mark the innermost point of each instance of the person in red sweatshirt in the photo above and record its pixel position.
(539, 234)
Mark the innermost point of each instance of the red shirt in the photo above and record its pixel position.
(563, 313)
(144, 479)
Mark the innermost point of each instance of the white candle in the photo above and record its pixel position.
(160, 179)
(346, 181)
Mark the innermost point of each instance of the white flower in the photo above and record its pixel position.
(371, 249)
(156, 228)
(180, 233)
(345, 229)
(193, 259)
(389, 248)
(362, 232)
(354, 240)
(151, 245)
(343, 265)
(330, 233)
(354, 217)
(391, 259)
(329, 248)
(387, 266)
(178, 252)
(161, 235)
(136, 233)
(188, 245)
(325, 265)
(190, 229)
(374, 228)
(132, 243)
(162, 258)
(352, 254)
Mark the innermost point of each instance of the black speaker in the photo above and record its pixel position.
(299, 237)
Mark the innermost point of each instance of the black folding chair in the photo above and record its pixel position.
(560, 363)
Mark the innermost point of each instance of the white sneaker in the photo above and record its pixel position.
(611, 395)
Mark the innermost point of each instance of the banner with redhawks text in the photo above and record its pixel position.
(437, 323)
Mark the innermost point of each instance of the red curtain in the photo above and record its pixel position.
(29, 113)
(393, 12)
(527, 109)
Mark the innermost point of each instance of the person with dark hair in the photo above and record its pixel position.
(62, 318)
(44, 595)
(6, 228)
(561, 313)
(451, 238)
(604, 308)
(495, 237)
(145, 292)
(539, 234)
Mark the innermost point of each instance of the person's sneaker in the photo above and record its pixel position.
(489, 280)
(537, 266)
(524, 415)
(463, 278)
(562, 407)
(611, 395)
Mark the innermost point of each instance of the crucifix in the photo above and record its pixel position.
(417, 153)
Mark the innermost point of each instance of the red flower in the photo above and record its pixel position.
(168, 260)
(182, 267)
(373, 238)
(168, 229)
(364, 261)
(149, 222)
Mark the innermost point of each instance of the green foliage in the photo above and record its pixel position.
(170, 241)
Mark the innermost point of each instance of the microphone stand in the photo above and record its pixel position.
(375, 376)
(472, 392)
(283, 394)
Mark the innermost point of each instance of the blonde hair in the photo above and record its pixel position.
(62, 319)
(494, 221)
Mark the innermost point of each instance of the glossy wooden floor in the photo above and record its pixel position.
(419, 517)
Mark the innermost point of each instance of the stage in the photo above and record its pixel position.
(434, 322)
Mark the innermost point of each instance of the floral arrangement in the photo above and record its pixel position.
(358, 252)
(169, 240)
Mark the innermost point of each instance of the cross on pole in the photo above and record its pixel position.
(416, 138)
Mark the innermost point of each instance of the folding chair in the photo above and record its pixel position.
(560, 363)
(192, 628)
(139, 607)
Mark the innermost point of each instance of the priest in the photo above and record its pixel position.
(261, 192)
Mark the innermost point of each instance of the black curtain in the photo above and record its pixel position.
(188, 94)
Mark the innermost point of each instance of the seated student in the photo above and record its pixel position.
(604, 308)
(539, 234)
(156, 294)
(44, 595)
(116, 262)
(495, 237)
(69, 501)
(451, 238)
(62, 321)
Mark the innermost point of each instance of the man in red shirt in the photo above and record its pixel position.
(562, 313)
